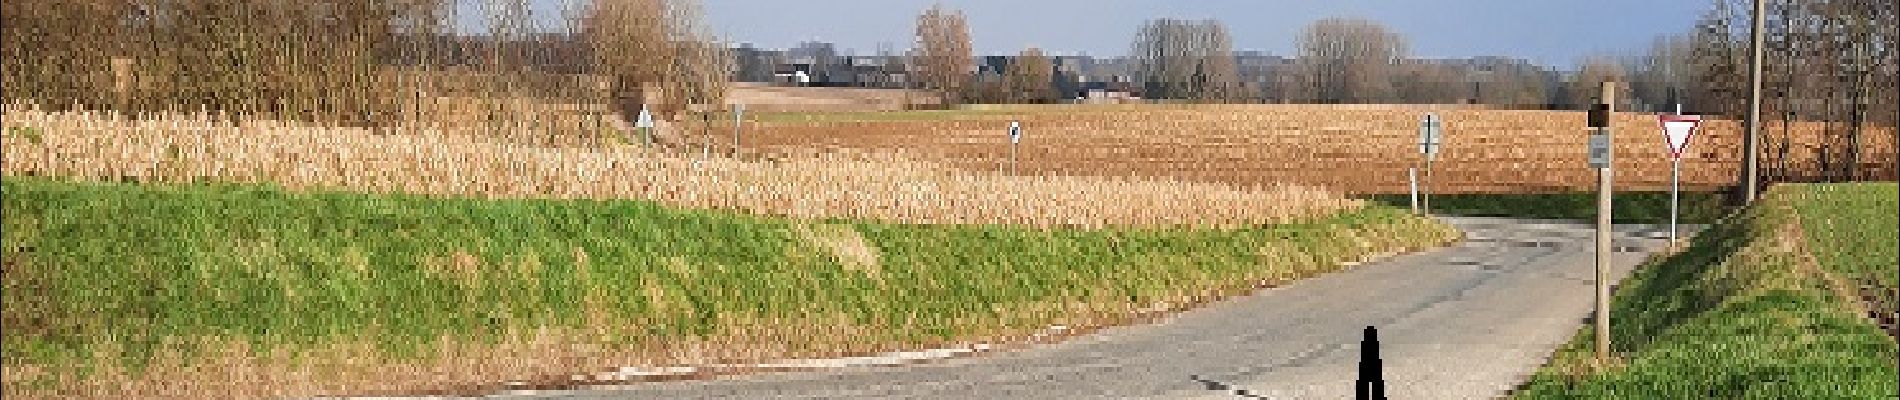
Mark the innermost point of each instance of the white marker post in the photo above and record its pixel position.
(1429, 136)
(1411, 174)
(738, 119)
(1015, 137)
(645, 124)
(1676, 132)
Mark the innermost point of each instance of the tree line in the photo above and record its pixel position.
(1825, 57)
(351, 62)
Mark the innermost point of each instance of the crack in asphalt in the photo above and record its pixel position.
(1219, 386)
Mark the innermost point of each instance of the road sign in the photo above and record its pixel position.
(1676, 131)
(645, 120)
(1600, 150)
(1430, 133)
(1015, 132)
(1600, 115)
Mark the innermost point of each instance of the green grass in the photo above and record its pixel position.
(1626, 207)
(1854, 229)
(140, 264)
(31, 134)
(1737, 316)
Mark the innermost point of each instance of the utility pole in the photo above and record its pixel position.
(1749, 143)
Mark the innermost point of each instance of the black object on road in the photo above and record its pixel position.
(1371, 384)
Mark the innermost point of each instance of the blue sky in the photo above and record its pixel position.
(1556, 33)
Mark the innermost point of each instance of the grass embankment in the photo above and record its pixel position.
(235, 291)
(1627, 207)
(1759, 307)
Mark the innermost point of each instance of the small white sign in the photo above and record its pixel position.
(1676, 132)
(1015, 132)
(645, 120)
(1599, 150)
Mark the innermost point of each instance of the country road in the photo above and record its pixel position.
(1463, 322)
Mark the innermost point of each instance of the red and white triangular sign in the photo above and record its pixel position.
(1676, 131)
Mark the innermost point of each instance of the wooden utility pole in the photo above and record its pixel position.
(1749, 143)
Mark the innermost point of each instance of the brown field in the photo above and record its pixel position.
(767, 98)
(866, 186)
(1351, 149)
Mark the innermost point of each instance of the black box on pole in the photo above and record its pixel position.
(1599, 115)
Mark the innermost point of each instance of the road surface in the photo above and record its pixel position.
(1462, 322)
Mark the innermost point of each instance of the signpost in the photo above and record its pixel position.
(1430, 132)
(1600, 158)
(1015, 137)
(1676, 132)
(645, 124)
(1411, 174)
(738, 119)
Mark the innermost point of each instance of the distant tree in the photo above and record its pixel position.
(1524, 86)
(1661, 77)
(1346, 60)
(1587, 84)
(1177, 59)
(1031, 77)
(659, 43)
(943, 55)
(1423, 83)
(1719, 64)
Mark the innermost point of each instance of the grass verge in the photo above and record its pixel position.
(110, 289)
(1748, 311)
(1628, 207)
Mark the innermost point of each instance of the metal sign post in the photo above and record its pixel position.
(1676, 132)
(1429, 136)
(1601, 147)
(1411, 174)
(1015, 137)
(645, 124)
(738, 120)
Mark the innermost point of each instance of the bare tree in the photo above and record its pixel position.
(1422, 83)
(1178, 59)
(1718, 63)
(1584, 87)
(1828, 61)
(658, 45)
(1346, 60)
(235, 56)
(943, 54)
(1031, 77)
(1661, 76)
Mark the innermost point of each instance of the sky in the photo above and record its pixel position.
(1548, 32)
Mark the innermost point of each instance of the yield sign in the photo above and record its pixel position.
(1676, 131)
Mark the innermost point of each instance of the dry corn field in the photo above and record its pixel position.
(173, 147)
(1351, 149)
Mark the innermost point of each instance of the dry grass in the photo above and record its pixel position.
(768, 98)
(449, 162)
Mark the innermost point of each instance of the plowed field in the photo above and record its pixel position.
(1352, 149)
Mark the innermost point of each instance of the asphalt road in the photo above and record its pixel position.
(1463, 322)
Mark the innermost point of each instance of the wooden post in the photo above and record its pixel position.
(1604, 194)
